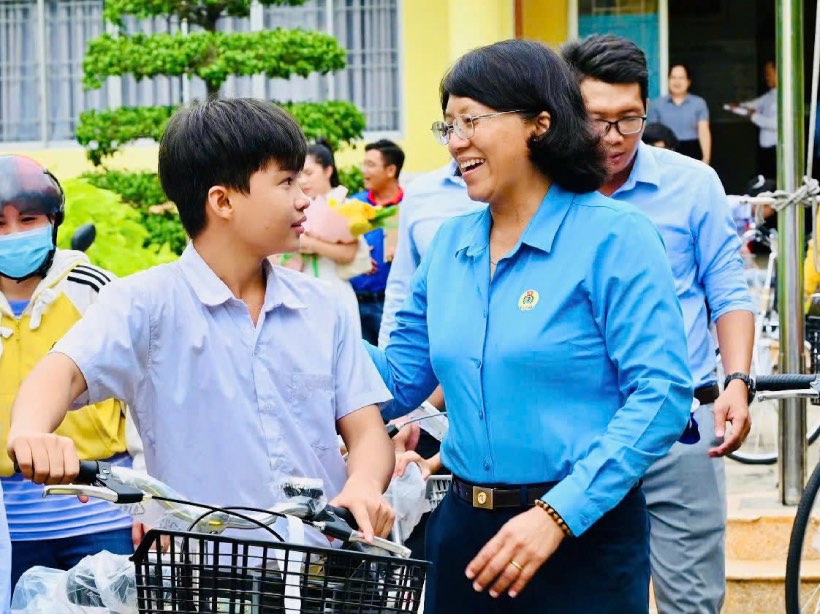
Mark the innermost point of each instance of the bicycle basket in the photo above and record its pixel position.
(437, 487)
(214, 573)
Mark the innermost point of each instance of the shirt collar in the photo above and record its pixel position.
(645, 169)
(212, 291)
(539, 233)
(395, 201)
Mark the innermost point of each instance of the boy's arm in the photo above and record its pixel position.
(41, 405)
(369, 468)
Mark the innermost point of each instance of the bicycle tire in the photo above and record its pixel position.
(797, 540)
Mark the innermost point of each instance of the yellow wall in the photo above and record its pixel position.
(545, 20)
(435, 33)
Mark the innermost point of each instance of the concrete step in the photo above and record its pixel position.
(758, 586)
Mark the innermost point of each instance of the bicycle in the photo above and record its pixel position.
(186, 564)
(802, 556)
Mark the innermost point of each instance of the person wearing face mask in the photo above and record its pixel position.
(550, 320)
(43, 292)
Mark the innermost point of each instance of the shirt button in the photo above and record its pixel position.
(487, 465)
(477, 363)
(481, 415)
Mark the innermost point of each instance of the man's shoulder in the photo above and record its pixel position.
(674, 164)
(158, 283)
(361, 195)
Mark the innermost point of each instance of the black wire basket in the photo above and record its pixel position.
(214, 573)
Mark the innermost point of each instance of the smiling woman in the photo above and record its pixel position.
(551, 322)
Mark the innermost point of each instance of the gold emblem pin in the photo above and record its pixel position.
(528, 300)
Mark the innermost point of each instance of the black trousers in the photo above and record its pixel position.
(691, 149)
(605, 570)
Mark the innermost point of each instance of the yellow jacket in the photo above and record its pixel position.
(811, 276)
(71, 285)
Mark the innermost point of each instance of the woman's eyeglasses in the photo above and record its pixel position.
(462, 125)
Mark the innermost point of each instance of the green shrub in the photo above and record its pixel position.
(351, 178)
(143, 192)
(121, 237)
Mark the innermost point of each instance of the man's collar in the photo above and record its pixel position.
(212, 291)
(644, 170)
(540, 232)
(397, 198)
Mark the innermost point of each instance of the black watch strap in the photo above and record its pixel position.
(746, 379)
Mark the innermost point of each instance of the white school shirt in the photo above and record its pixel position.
(227, 409)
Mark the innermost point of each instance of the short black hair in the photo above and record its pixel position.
(526, 76)
(656, 131)
(392, 153)
(322, 154)
(223, 142)
(608, 58)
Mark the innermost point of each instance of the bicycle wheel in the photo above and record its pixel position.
(803, 560)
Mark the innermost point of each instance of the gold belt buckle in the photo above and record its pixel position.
(483, 497)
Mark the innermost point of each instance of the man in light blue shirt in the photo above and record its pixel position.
(686, 490)
(429, 201)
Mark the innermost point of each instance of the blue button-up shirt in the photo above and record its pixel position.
(429, 201)
(570, 365)
(686, 201)
(227, 409)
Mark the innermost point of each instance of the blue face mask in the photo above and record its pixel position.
(23, 253)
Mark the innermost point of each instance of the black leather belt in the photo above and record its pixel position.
(707, 394)
(502, 497)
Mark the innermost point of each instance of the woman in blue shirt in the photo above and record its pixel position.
(551, 322)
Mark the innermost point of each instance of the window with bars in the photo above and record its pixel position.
(41, 94)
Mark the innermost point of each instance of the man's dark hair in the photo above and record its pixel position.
(322, 154)
(528, 77)
(608, 58)
(223, 142)
(656, 131)
(391, 153)
(685, 68)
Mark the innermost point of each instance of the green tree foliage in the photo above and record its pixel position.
(121, 236)
(200, 13)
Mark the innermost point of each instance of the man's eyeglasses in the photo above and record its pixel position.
(462, 125)
(625, 126)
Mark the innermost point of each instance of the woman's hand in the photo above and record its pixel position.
(405, 458)
(515, 553)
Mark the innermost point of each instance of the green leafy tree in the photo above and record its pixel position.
(212, 56)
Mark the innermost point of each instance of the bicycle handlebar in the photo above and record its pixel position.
(785, 381)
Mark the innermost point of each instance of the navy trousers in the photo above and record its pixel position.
(605, 570)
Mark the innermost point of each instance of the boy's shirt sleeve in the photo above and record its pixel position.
(357, 383)
(110, 344)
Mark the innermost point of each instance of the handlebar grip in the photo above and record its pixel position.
(88, 472)
(392, 430)
(343, 514)
(784, 381)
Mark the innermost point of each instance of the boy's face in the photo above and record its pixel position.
(12, 222)
(268, 219)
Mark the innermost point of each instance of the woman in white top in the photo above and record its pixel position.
(319, 176)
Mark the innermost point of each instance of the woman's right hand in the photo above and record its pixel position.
(405, 458)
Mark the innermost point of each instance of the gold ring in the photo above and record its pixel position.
(517, 565)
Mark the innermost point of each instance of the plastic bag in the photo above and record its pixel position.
(408, 496)
(100, 583)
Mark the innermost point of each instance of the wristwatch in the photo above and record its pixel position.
(750, 383)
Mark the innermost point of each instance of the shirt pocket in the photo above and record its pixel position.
(311, 399)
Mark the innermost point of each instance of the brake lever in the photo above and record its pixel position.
(338, 522)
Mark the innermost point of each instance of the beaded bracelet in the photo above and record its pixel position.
(555, 516)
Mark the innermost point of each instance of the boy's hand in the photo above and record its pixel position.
(365, 501)
(45, 458)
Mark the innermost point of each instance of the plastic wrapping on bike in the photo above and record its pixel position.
(215, 573)
(102, 583)
(784, 381)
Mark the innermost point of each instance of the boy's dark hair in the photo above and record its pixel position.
(322, 153)
(608, 58)
(223, 142)
(392, 153)
(526, 76)
(656, 131)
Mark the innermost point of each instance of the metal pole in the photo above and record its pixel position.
(790, 164)
(42, 71)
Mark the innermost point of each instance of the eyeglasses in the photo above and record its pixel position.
(625, 126)
(463, 126)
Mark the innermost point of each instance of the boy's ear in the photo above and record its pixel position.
(219, 203)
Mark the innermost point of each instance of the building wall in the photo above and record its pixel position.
(434, 34)
(545, 20)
